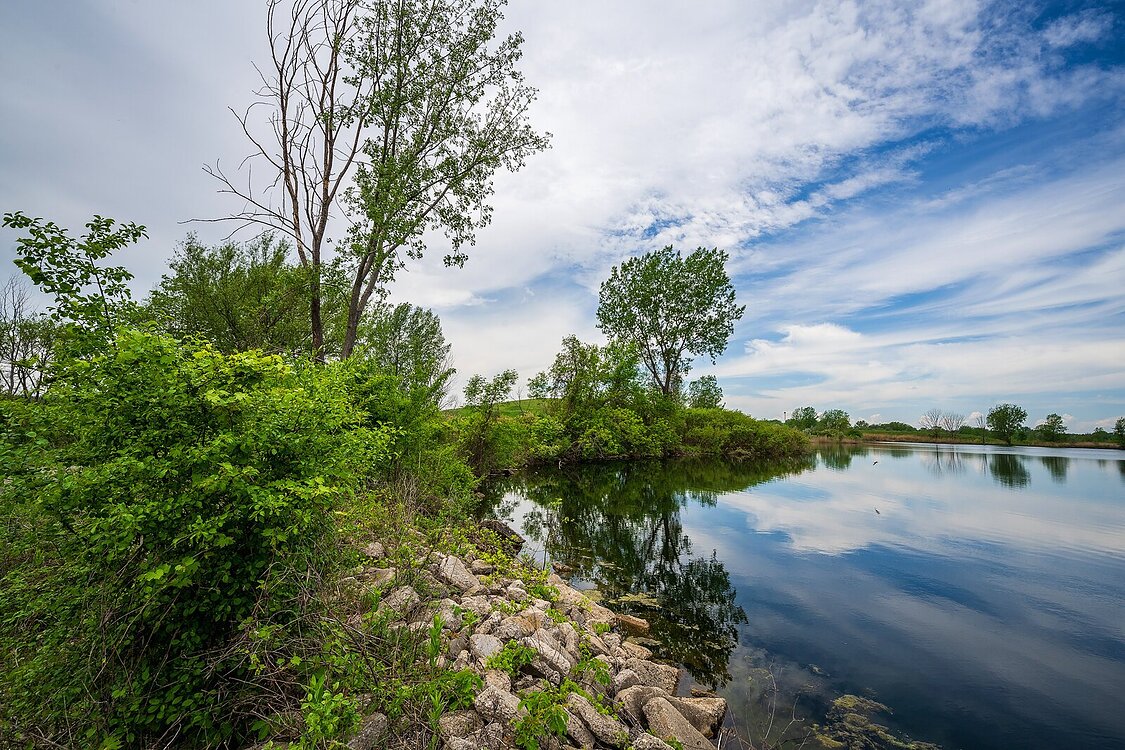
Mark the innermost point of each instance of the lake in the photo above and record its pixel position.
(978, 593)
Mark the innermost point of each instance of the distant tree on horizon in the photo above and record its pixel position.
(1006, 420)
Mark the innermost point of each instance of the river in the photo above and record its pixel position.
(978, 593)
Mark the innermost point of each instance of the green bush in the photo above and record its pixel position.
(732, 433)
(161, 496)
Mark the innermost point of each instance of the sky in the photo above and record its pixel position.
(923, 201)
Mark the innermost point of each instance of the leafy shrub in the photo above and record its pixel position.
(732, 433)
(154, 499)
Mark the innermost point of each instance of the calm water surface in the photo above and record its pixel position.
(977, 592)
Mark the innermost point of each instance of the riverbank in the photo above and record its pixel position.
(924, 439)
(536, 662)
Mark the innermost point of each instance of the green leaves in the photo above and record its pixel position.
(178, 484)
(88, 298)
(669, 305)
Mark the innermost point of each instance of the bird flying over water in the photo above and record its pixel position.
(877, 512)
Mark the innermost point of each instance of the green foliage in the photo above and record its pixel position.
(802, 418)
(89, 299)
(237, 296)
(732, 433)
(1119, 431)
(705, 393)
(1052, 428)
(485, 446)
(512, 658)
(161, 495)
(408, 343)
(1006, 420)
(833, 422)
(327, 712)
(545, 718)
(668, 305)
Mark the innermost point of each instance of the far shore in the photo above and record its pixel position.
(901, 437)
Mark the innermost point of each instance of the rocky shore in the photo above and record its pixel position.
(556, 670)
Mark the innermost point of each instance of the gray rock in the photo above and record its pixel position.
(447, 610)
(375, 551)
(379, 578)
(497, 679)
(648, 742)
(498, 705)
(457, 645)
(452, 571)
(484, 646)
(481, 568)
(478, 605)
(665, 722)
(551, 656)
(608, 730)
(371, 731)
(635, 697)
(658, 675)
(705, 714)
(401, 601)
(636, 651)
(570, 639)
(578, 732)
(510, 630)
(625, 679)
(459, 724)
(599, 615)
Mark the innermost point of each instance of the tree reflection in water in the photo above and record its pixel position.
(1009, 470)
(618, 525)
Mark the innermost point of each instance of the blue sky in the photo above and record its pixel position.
(924, 202)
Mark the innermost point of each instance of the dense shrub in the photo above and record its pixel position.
(159, 497)
(732, 433)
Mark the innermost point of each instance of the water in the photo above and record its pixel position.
(977, 592)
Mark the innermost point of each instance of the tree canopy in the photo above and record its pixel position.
(668, 306)
(1005, 420)
(392, 116)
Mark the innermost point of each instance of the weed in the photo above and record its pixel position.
(512, 658)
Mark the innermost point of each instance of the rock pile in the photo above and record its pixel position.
(623, 699)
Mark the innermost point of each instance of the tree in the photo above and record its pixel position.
(1119, 431)
(1052, 428)
(392, 116)
(407, 342)
(668, 305)
(90, 300)
(26, 340)
(931, 420)
(237, 296)
(803, 418)
(951, 421)
(1005, 420)
(705, 393)
(834, 420)
(585, 377)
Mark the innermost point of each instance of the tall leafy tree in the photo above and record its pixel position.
(392, 116)
(669, 305)
(407, 342)
(1005, 420)
(705, 393)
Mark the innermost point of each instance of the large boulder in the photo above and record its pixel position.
(666, 722)
(609, 731)
(453, 572)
